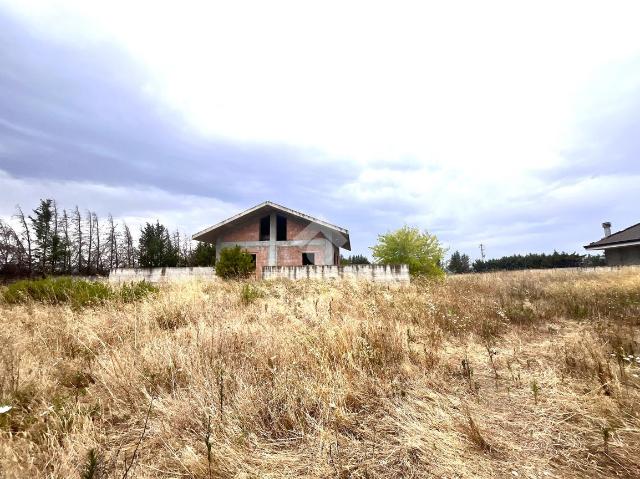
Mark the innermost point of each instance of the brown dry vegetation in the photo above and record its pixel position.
(496, 375)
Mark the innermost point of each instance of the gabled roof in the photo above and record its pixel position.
(627, 237)
(337, 235)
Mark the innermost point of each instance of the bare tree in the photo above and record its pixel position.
(90, 245)
(186, 250)
(96, 227)
(129, 248)
(112, 243)
(26, 235)
(11, 249)
(66, 256)
(175, 245)
(78, 240)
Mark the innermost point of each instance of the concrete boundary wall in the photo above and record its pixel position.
(368, 272)
(162, 275)
(586, 270)
(376, 273)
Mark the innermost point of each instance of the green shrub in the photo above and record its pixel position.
(234, 263)
(130, 292)
(77, 292)
(249, 294)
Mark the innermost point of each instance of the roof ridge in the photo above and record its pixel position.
(284, 209)
(622, 231)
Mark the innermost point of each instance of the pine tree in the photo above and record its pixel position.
(459, 263)
(42, 223)
(155, 247)
(203, 255)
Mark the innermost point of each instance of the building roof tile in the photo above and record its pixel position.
(620, 238)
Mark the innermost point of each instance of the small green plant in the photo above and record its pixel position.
(535, 388)
(91, 470)
(130, 292)
(234, 263)
(249, 293)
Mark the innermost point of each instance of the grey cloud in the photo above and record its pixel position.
(80, 112)
(72, 114)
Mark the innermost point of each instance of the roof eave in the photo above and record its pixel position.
(621, 244)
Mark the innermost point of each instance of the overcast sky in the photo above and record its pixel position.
(512, 124)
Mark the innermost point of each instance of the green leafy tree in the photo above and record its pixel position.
(459, 263)
(420, 251)
(156, 248)
(234, 263)
(203, 255)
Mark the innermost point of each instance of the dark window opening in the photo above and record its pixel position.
(281, 228)
(265, 228)
(253, 259)
(308, 259)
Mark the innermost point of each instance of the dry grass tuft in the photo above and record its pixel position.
(534, 374)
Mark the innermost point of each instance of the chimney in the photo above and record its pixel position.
(607, 229)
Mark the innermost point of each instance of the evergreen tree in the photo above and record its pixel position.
(42, 233)
(355, 259)
(530, 261)
(155, 247)
(459, 263)
(203, 255)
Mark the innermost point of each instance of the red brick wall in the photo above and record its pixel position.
(292, 255)
(250, 231)
(247, 231)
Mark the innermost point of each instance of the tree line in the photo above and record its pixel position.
(50, 241)
(354, 259)
(460, 263)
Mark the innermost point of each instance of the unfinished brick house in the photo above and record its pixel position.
(278, 236)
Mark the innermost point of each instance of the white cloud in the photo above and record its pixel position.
(460, 83)
(479, 97)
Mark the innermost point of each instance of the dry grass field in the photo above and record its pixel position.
(529, 375)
